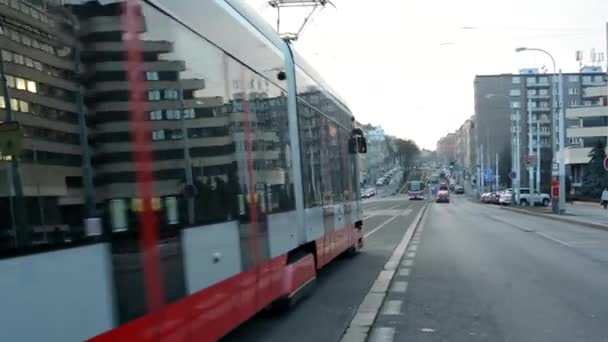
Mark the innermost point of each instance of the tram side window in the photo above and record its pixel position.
(310, 154)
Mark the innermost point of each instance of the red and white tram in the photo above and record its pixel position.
(213, 174)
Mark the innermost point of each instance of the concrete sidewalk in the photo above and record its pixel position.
(578, 213)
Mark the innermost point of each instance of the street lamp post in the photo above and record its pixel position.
(558, 119)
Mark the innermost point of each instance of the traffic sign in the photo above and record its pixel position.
(606, 163)
(555, 169)
(488, 175)
(512, 174)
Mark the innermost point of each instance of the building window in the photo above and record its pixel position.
(516, 80)
(170, 94)
(543, 91)
(515, 104)
(31, 86)
(532, 92)
(29, 62)
(2, 103)
(7, 56)
(173, 114)
(152, 76)
(543, 79)
(586, 79)
(531, 80)
(156, 115)
(18, 59)
(574, 103)
(158, 134)
(154, 95)
(24, 106)
(21, 84)
(573, 78)
(544, 104)
(515, 92)
(573, 91)
(189, 113)
(598, 78)
(15, 105)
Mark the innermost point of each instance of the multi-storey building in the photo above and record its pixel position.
(446, 148)
(587, 123)
(465, 147)
(38, 48)
(504, 103)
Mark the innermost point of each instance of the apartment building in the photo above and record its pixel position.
(504, 103)
(587, 123)
(38, 47)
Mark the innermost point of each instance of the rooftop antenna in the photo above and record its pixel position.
(281, 4)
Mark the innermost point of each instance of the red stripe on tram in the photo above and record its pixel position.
(140, 130)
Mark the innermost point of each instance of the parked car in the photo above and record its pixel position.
(496, 197)
(485, 197)
(380, 181)
(505, 197)
(537, 199)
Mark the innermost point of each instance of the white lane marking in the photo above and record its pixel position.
(411, 255)
(561, 242)
(392, 307)
(427, 330)
(407, 263)
(380, 212)
(382, 334)
(359, 326)
(413, 248)
(399, 286)
(386, 222)
(404, 272)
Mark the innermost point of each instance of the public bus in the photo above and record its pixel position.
(415, 190)
(190, 171)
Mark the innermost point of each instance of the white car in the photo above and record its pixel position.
(505, 197)
(538, 198)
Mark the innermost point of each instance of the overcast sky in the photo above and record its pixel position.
(408, 65)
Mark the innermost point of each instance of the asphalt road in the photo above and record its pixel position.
(341, 285)
(476, 272)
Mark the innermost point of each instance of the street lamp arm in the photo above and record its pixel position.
(520, 49)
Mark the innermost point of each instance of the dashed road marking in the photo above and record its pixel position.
(359, 327)
(411, 255)
(382, 334)
(407, 263)
(399, 286)
(413, 248)
(392, 307)
(404, 272)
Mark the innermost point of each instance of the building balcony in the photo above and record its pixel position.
(540, 97)
(592, 83)
(540, 109)
(595, 92)
(586, 112)
(585, 132)
(538, 84)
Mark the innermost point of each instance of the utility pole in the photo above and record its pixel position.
(530, 167)
(21, 233)
(537, 154)
(483, 181)
(497, 173)
(562, 138)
